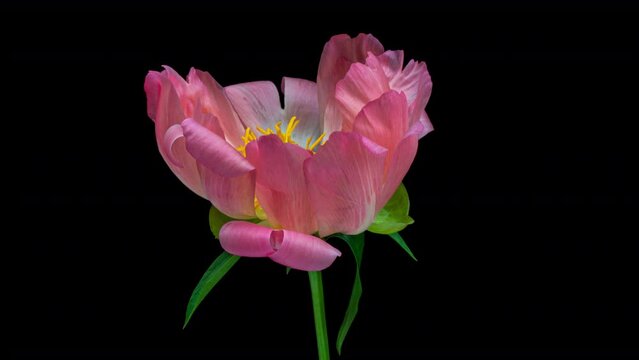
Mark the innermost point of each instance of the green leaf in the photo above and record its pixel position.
(211, 277)
(216, 220)
(356, 243)
(394, 216)
(398, 239)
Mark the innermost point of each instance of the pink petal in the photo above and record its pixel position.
(207, 120)
(300, 100)
(212, 151)
(384, 120)
(344, 178)
(281, 186)
(179, 84)
(427, 126)
(361, 85)
(171, 136)
(257, 103)
(416, 83)
(168, 113)
(234, 196)
(391, 61)
(242, 238)
(214, 101)
(338, 55)
(290, 248)
(153, 88)
(302, 251)
(400, 161)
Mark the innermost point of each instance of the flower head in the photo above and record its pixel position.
(325, 163)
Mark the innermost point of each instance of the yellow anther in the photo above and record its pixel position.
(319, 139)
(292, 124)
(242, 150)
(285, 137)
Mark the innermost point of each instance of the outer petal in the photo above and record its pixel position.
(391, 61)
(290, 248)
(344, 179)
(212, 151)
(246, 239)
(172, 135)
(385, 120)
(234, 196)
(214, 101)
(281, 187)
(400, 161)
(300, 99)
(153, 89)
(427, 126)
(301, 251)
(338, 55)
(178, 82)
(416, 83)
(168, 112)
(361, 85)
(257, 103)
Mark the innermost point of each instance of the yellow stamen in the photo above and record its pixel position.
(292, 124)
(285, 137)
(319, 139)
(278, 129)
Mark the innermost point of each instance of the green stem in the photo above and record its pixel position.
(317, 291)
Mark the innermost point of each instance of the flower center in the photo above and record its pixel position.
(286, 136)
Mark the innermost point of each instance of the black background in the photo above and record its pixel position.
(524, 196)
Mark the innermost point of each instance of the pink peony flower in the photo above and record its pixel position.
(326, 163)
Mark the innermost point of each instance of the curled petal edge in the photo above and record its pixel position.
(290, 248)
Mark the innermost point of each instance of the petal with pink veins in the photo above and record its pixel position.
(214, 101)
(257, 103)
(286, 247)
(234, 196)
(168, 113)
(416, 83)
(281, 187)
(171, 136)
(391, 61)
(243, 238)
(399, 162)
(361, 85)
(301, 251)
(212, 151)
(384, 120)
(300, 100)
(344, 178)
(338, 55)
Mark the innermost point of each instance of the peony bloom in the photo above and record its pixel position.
(326, 163)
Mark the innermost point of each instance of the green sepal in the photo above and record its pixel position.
(394, 216)
(217, 219)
